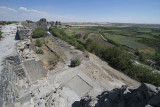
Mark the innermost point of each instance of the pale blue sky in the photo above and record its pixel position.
(127, 11)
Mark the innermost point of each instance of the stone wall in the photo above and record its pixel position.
(24, 31)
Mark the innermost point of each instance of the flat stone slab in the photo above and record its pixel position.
(35, 69)
(78, 85)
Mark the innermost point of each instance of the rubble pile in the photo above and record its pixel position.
(23, 32)
(146, 95)
(24, 51)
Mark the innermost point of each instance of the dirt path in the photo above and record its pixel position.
(8, 43)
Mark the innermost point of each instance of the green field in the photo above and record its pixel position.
(130, 42)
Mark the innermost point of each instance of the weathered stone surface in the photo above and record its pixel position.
(35, 69)
(23, 33)
(10, 75)
(146, 95)
(155, 101)
(42, 23)
(31, 26)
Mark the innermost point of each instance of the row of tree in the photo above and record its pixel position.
(7, 22)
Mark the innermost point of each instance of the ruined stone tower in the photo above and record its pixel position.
(42, 23)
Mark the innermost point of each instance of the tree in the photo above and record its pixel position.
(157, 58)
(88, 43)
(78, 36)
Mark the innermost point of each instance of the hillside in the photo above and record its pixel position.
(37, 71)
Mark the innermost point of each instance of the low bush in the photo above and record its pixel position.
(39, 32)
(80, 47)
(38, 42)
(75, 62)
(39, 51)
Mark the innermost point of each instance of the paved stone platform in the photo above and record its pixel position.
(35, 69)
(78, 85)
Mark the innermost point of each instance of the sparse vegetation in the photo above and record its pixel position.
(37, 33)
(75, 62)
(52, 61)
(71, 39)
(39, 51)
(38, 43)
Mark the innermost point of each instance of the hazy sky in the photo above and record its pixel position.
(127, 11)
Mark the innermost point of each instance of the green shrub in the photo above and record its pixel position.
(38, 42)
(78, 36)
(85, 36)
(80, 47)
(39, 51)
(39, 32)
(75, 62)
(143, 74)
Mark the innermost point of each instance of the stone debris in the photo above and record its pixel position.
(24, 51)
(23, 33)
(146, 95)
